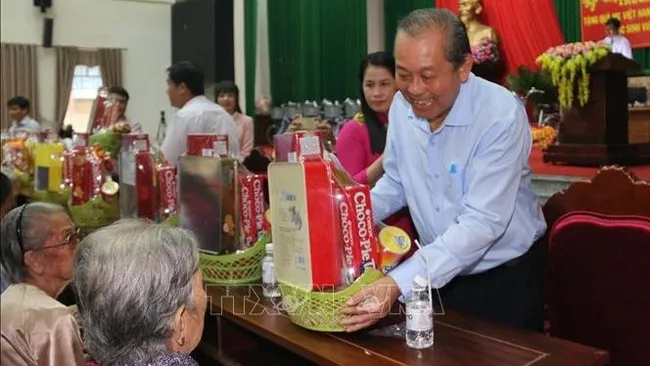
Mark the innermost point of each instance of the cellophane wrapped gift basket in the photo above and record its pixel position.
(93, 195)
(224, 205)
(326, 244)
(72, 174)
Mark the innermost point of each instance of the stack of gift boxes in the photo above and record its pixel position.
(324, 233)
(219, 199)
(321, 218)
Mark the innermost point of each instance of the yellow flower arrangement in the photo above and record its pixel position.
(568, 64)
(544, 136)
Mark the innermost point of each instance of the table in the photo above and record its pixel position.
(459, 339)
(639, 125)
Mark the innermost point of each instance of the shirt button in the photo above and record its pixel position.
(436, 175)
(437, 209)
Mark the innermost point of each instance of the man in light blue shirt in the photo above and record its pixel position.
(457, 155)
(19, 108)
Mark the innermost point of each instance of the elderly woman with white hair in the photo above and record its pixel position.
(140, 294)
(37, 247)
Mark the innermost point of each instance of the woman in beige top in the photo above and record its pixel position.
(227, 94)
(37, 247)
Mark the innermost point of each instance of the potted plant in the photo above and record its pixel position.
(525, 79)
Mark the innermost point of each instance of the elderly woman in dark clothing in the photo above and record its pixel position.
(140, 294)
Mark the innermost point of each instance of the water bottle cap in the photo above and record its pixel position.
(420, 282)
(269, 247)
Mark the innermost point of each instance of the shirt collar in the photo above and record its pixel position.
(462, 110)
(195, 100)
(22, 121)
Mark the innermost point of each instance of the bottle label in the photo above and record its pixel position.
(419, 320)
(268, 273)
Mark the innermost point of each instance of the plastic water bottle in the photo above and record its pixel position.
(419, 315)
(270, 286)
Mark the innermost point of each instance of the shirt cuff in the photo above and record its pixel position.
(404, 274)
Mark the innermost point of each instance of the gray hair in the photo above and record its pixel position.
(34, 231)
(457, 46)
(130, 279)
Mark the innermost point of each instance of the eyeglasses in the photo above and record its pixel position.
(19, 227)
(71, 238)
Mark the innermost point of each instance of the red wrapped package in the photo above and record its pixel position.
(294, 146)
(358, 240)
(206, 144)
(252, 207)
(135, 141)
(306, 145)
(168, 191)
(68, 165)
(144, 183)
(132, 144)
(358, 237)
(305, 225)
(98, 112)
(80, 172)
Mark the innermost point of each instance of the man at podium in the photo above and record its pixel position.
(618, 42)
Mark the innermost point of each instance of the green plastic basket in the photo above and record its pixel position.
(95, 213)
(320, 311)
(237, 268)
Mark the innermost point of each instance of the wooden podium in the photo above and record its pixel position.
(597, 133)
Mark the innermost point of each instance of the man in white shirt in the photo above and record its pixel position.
(20, 119)
(619, 43)
(120, 97)
(197, 114)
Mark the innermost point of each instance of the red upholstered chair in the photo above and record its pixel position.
(600, 279)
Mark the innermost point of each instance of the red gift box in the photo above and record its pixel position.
(305, 225)
(168, 191)
(252, 207)
(144, 184)
(358, 238)
(135, 141)
(79, 169)
(207, 144)
(306, 145)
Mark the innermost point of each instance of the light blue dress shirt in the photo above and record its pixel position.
(27, 124)
(467, 185)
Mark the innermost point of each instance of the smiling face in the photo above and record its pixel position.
(228, 101)
(378, 88)
(17, 114)
(424, 75)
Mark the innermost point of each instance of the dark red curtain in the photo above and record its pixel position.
(526, 28)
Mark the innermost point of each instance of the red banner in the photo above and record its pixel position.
(633, 14)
